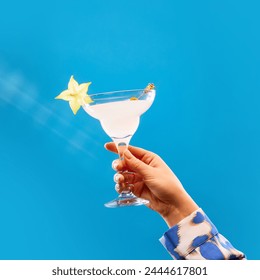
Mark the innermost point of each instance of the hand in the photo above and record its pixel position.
(153, 180)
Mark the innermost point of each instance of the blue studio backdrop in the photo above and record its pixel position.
(55, 175)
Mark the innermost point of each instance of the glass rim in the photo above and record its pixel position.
(118, 91)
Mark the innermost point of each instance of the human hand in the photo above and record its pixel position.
(154, 181)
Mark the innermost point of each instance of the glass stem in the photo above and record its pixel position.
(122, 147)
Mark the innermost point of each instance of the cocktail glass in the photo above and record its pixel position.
(119, 115)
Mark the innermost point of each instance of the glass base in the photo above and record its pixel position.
(126, 199)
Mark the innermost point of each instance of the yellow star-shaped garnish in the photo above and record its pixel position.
(76, 95)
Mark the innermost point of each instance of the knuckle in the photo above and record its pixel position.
(136, 164)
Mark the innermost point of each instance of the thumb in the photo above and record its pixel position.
(135, 164)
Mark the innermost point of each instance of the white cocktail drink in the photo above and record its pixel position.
(119, 119)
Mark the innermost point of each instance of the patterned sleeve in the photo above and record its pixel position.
(196, 238)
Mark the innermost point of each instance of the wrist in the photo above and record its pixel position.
(177, 213)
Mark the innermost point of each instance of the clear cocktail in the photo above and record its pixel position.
(119, 114)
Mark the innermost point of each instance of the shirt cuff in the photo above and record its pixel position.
(188, 234)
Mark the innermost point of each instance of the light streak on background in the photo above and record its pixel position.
(17, 91)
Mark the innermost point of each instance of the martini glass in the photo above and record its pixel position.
(119, 115)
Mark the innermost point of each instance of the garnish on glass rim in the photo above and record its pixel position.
(76, 95)
(148, 88)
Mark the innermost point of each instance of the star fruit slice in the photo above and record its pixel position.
(76, 95)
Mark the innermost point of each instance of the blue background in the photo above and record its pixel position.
(55, 175)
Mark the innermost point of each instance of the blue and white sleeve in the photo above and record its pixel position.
(196, 238)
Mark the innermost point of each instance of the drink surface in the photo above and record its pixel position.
(121, 118)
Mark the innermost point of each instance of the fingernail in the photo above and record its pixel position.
(117, 187)
(115, 164)
(127, 154)
(116, 178)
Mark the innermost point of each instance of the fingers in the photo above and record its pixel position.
(141, 191)
(118, 178)
(139, 153)
(132, 164)
(138, 189)
(126, 181)
(137, 165)
(111, 147)
(117, 188)
(129, 187)
(117, 165)
(127, 177)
